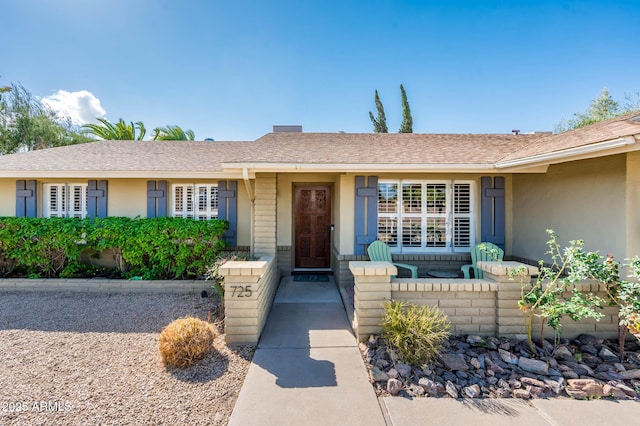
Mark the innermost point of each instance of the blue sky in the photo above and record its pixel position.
(231, 69)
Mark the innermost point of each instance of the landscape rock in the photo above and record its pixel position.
(584, 388)
(564, 353)
(429, 386)
(474, 340)
(613, 391)
(522, 394)
(627, 390)
(382, 363)
(630, 374)
(394, 386)
(576, 393)
(555, 386)
(607, 355)
(403, 369)
(508, 357)
(589, 349)
(533, 365)
(454, 362)
(533, 382)
(378, 375)
(472, 391)
(415, 390)
(451, 390)
(468, 368)
(588, 339)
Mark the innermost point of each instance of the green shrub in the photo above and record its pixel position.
(41, 247)
(185, 341)
(154, 248)
(416, 332)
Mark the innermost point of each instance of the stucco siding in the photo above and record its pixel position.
(7, 197)
(244, 216)
(633, 204)
(127, 197)
(579, 200)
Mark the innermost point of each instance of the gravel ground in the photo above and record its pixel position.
(93, 359)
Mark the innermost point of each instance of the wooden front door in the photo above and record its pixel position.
(312, 233)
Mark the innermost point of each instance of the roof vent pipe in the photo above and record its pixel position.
(287, 129)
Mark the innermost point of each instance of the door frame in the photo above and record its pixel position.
(294, 187)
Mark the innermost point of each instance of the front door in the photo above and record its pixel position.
(312, 233)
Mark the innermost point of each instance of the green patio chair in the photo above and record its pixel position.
(482, 252)
(380, 252)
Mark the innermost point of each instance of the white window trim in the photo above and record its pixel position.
(449, 216)
(190, 207)
(65, 200)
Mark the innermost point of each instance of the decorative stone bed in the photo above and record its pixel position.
(472, 366)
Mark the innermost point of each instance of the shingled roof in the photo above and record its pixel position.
(128, 156)
(461, 152)
(615, 128)
(386, 148)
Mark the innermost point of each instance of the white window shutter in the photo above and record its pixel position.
(199, 201)
(463, 218)
(420, 216)
(206, 201)
(77, 200)
(54, 204)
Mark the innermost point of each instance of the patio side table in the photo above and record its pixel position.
(436, 273)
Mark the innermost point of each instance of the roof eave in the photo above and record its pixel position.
(610, 147)
(357, 167)
(120, 174)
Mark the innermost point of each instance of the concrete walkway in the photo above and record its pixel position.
(307, 368)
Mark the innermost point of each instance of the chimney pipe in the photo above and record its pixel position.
(287, 129)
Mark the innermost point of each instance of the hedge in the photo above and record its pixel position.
(153, 248)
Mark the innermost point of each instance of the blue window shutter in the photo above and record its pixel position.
(493, 210)
(92, 187)
(101, 199)
(228, 208)
(372, 209)
(26, 198)
(97, 198)
(151, 199)
(161, 199)
(156, 198)
(366, 212)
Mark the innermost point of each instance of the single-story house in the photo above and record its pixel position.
(316, 200)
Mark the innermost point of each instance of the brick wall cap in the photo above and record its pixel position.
(504, 267)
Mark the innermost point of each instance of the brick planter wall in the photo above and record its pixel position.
(250, 288)
(486, 307)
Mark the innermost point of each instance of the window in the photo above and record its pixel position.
(196, 201)
(424, 216)
(65, 200)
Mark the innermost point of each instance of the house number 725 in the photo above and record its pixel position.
(241, 291)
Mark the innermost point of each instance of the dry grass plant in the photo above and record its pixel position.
(185, 341)
(416, 332)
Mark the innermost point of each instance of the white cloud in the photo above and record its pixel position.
(81, 107)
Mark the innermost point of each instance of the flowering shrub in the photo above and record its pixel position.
(553, 296)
